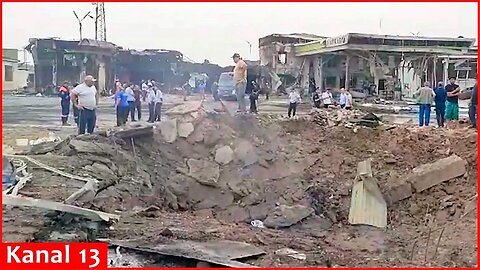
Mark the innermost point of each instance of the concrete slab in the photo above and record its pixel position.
(429, 175)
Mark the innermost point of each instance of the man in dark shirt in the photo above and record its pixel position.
(316, 99)
(473, 108)
(137, 92)
(440, 100)
(453, 90)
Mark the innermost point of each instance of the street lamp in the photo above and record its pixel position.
(81, 20)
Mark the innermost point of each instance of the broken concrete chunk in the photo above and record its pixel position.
(286, 216)
(205, 172)
(184, 108)
(90, 147)
(168, 128)
(246, 153)
(429, 175)
(397, 191)
(224, 155)
(291, 253)
(185, 129)
(234, 214)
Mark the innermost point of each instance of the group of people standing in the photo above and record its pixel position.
(128, 101)
(325, 98)
(446, 103)
(129, 97)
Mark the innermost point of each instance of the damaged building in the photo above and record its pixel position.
(57, 61)
(277, 53)
(387, 66)
(159, 65)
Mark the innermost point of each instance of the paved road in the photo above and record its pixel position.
(275, 105)
(45, 111)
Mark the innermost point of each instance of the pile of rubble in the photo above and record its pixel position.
(347, 118)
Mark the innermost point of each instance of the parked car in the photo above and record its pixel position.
(226, 86)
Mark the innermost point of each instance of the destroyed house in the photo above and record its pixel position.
(384, 65)
(277, 54)
(277, 51)
(163, 66)
(57, 61)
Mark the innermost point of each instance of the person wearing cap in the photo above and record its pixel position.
(240, 78)
(85, 98)
(64, 94)
(451, 112)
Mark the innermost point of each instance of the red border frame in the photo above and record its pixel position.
(478, 146)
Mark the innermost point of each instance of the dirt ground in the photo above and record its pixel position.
(272, 162)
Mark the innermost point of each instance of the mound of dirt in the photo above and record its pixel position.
(293, 174)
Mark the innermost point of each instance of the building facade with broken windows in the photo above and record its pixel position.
(383, 65)
(57, 61)
(277, 54)
(15, 74)
(387, 66)
(159, 65)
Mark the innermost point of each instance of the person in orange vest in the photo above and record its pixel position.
(64, 94)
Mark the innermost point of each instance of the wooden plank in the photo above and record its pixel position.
(56, 206)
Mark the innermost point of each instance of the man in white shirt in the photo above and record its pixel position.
(144, 91)
(85, 99)
(158, 104)
(327, 98)
(293, 99)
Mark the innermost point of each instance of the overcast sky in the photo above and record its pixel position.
(214, 31)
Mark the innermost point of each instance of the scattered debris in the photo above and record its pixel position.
(51, 169)
(205, 172)
(257, 223)
(246, 153)
(367, 205)
(185, 129)
(224, 155)
(429, 175)
(49, 205)
(470, 205)
(132, 132)
(291, 253)
(216, 252)
(424, 177)
(347, 118)
(168, 128)
(286, 216)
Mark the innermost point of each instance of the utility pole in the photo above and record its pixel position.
(250, 46)
(81, 20)
(100, 23)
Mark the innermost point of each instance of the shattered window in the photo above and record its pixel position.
(8, 73)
